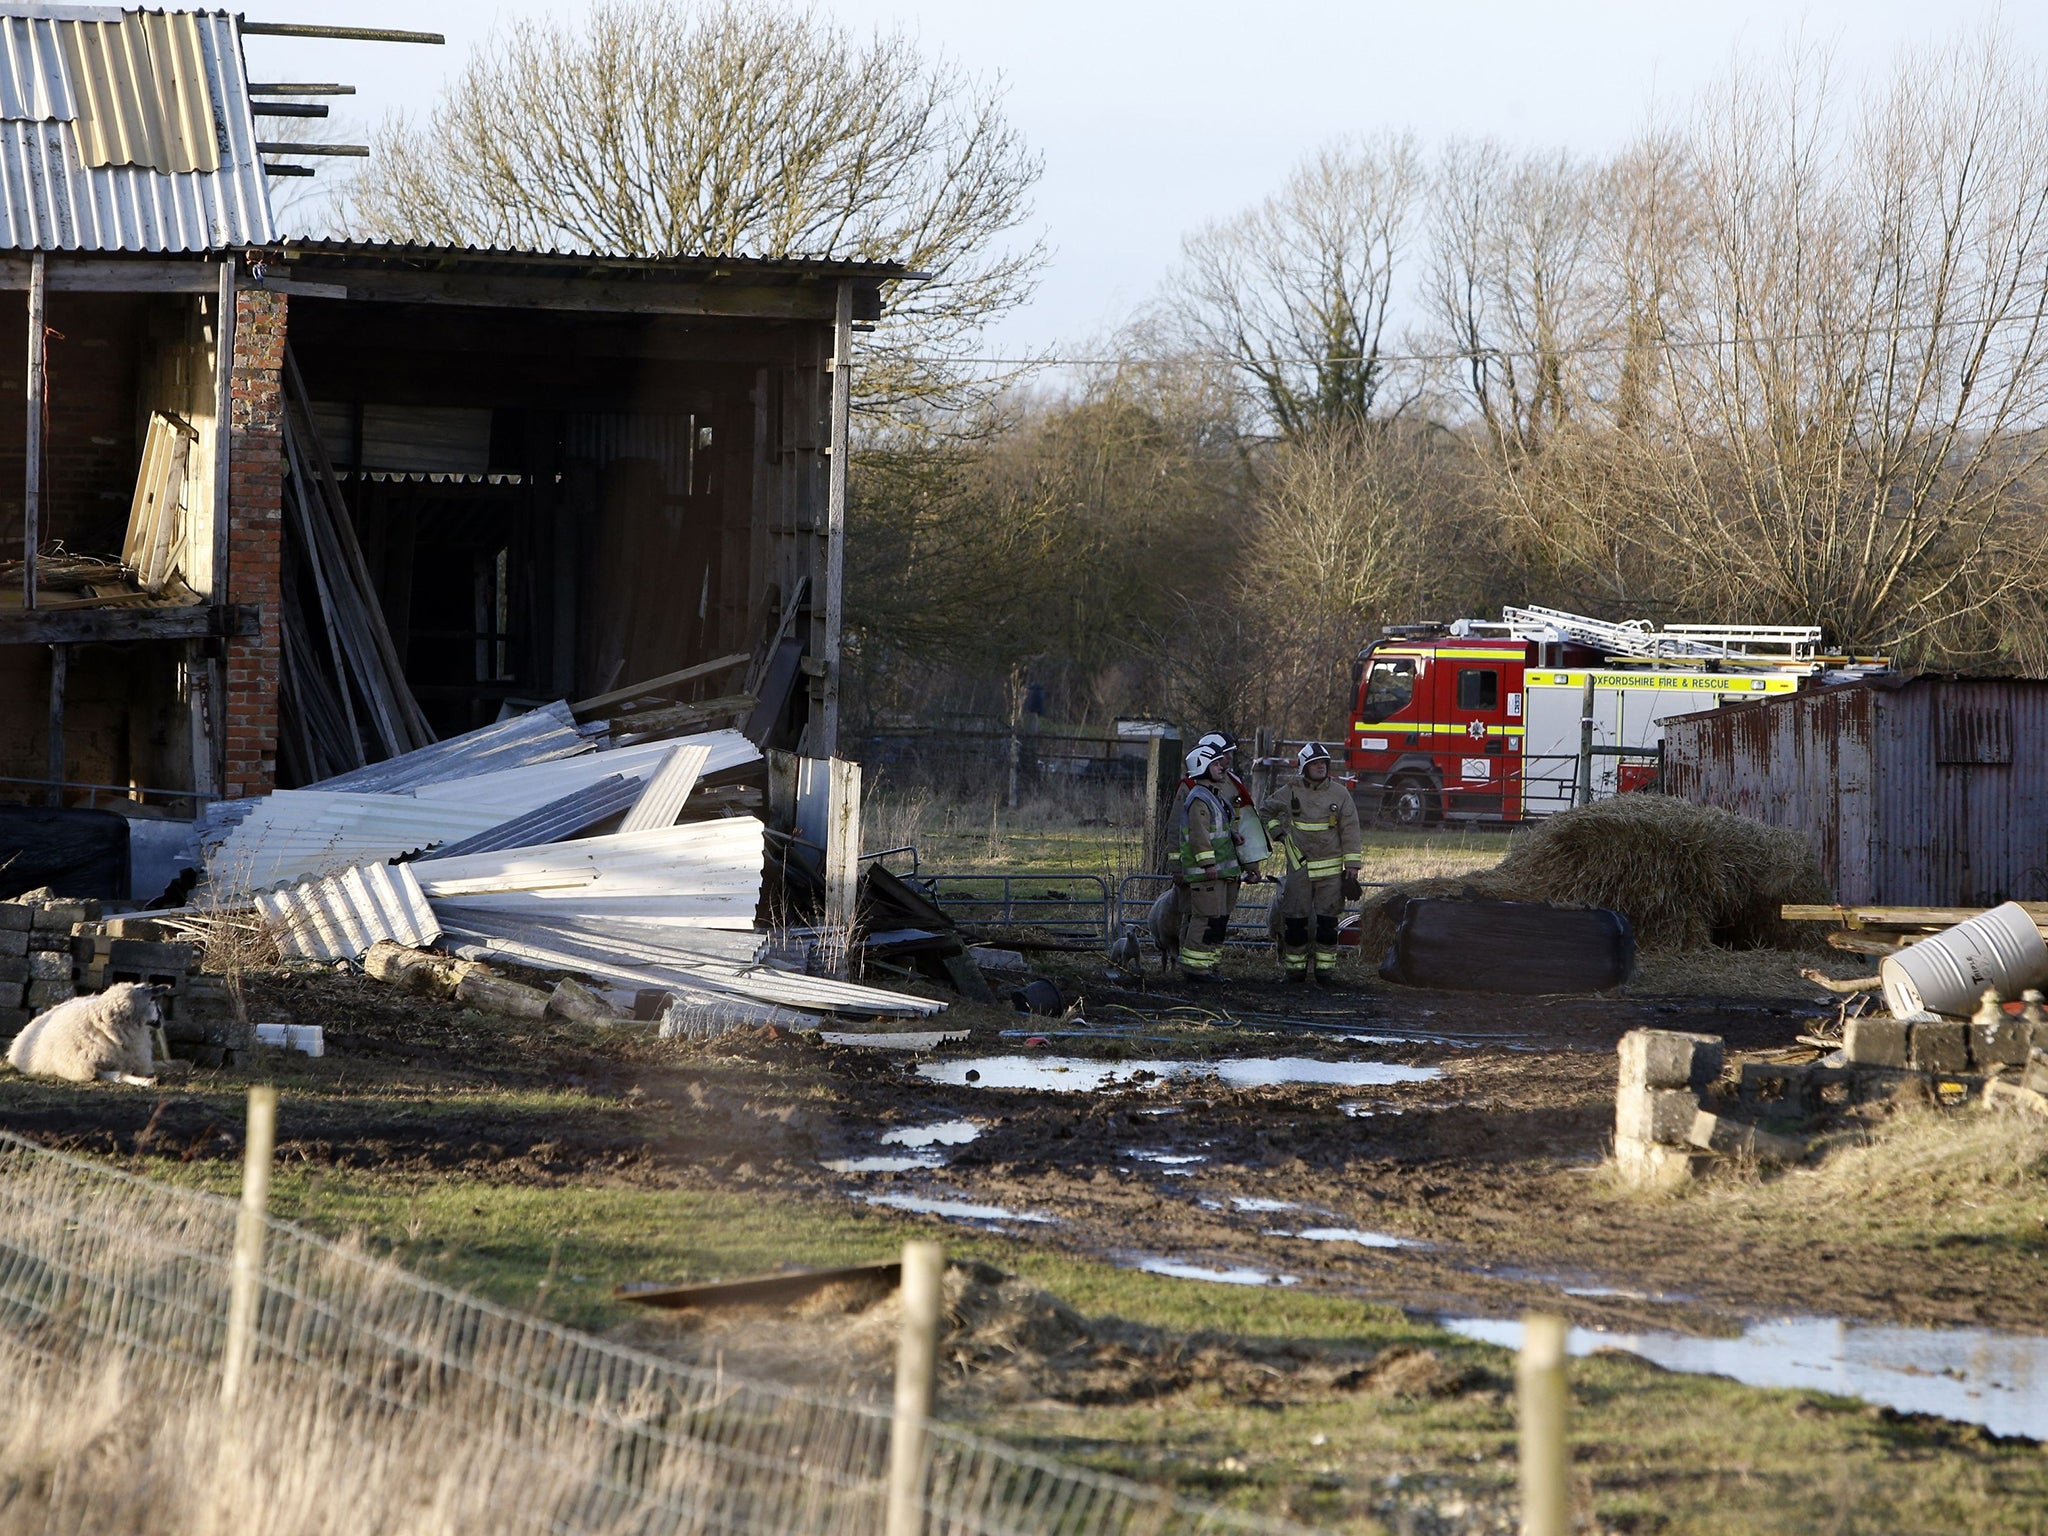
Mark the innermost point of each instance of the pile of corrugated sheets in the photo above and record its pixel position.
(494, 867)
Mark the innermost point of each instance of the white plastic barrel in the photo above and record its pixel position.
(1252, 843)
(1948, 972)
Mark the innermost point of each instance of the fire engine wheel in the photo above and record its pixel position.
(1410, 804)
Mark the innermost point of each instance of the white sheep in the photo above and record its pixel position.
(102, 1034)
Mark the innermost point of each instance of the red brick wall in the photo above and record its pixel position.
(255, 539)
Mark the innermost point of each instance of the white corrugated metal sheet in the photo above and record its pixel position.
(661, 802)
(538, 736)
(299, 832)
(518, 790)
(341, 917)
(181, 99)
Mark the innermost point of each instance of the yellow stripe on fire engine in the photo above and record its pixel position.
(1502, 653)
(1672, 682)
(1397, 727)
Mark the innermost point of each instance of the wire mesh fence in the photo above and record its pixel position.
(376, 1401)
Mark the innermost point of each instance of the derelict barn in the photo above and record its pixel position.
(280, 507)
(1924, 792)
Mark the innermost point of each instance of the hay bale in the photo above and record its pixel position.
(1686, 876)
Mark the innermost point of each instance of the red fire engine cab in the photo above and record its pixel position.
(1505, 721)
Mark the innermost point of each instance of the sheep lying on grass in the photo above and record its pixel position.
(105, 1034)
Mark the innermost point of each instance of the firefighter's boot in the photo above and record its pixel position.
(1326, 949)
(1294, 950)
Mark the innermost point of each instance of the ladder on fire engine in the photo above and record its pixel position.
(1758, 645)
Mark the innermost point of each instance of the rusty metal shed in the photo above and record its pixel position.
(1926, 791)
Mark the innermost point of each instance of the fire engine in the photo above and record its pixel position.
(1480, 720)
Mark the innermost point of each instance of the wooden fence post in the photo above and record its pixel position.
(245, 1280)
(1541, 1400)
(922, 1292)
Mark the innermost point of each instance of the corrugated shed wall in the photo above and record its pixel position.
(1931, 794)
(128, 132)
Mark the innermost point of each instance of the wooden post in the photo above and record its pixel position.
(32, 488)
(842, 861)
(60, 667)
(1541, 1401)
(826, 742)
(223, 423)
(922, 1293)
(245, 1282)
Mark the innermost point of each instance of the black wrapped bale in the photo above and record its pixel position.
(1508, 946)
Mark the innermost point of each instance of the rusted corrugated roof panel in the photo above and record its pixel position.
(126, 131)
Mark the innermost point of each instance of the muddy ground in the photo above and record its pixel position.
(1486, 1181)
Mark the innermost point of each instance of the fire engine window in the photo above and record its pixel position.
(1478, 688)
(1387, 690)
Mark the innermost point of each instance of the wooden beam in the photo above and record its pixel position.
(69, 274)
(582, 294)
(95, 626)
(60, 666)
(32, 487)
(666, 680)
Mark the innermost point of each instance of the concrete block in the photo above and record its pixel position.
(1651, 1164)
(16, 918)
(1654, 1114)
(13, 943)
(1669, 1058)
(11, 993)
(149, 929)
(1877, 1042)
(184, 1031)
(2013, 1098)
(1939, 1045)
(1737, 1138)
(47, 966)
(48, 994)
(58, 916)
(14, 968)
(1773, 1088)
(2003, 1044)
(146, 958)
(48, 941)
(12, 1021)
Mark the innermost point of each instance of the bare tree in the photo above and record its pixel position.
(1298, 291)
(665, 127)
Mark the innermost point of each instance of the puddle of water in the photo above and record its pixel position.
(1074, 1074)
(1234, 1276)
(880, 1164)
(1365, 1111)
(947, 1133)
(1352, 1235)
(1998, 1380)
(956, 1210)
(1261, 1203)
(1170, 1159)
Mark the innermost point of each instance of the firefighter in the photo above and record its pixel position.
(1317, 825)
(1209, 872)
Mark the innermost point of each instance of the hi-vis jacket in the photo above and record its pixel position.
(1208, 843)
(1317, 824)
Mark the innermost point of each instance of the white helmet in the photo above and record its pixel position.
(1219, 742)
(1200, 760)
(1311, 752)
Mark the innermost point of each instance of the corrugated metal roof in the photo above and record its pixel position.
(518, 790)
(662, 801)
(551, 823)
(299, 832)
(127, 131)
(695, 264)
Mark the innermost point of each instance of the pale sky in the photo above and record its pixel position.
(1154, 118)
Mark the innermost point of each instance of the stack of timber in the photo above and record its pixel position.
(343, 699)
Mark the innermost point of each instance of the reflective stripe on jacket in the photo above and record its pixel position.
(1208, 847)
(1318, 826)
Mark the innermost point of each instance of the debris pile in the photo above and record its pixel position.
(535, 843)
(1685, 876)
(1663, 1128)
